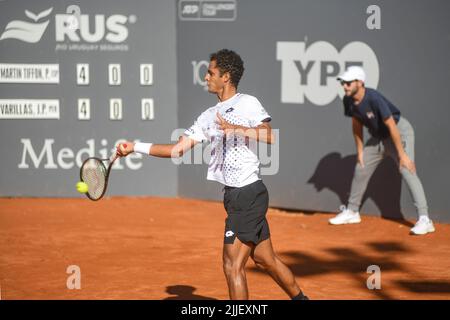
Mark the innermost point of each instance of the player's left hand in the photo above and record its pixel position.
(224, 125)
(406, 162)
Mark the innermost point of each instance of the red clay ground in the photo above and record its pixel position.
(158, 248)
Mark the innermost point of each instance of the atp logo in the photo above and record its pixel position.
(311, 72)
(30, 32)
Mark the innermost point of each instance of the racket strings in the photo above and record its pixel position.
(94, 175)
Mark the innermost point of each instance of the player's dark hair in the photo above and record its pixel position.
(229, 61)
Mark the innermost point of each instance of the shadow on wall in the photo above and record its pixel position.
(335, 173)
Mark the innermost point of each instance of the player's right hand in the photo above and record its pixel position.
(360, 159)
(406, 162)
(125, 148)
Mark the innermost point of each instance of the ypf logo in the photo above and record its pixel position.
(27, 31)
(311, 71)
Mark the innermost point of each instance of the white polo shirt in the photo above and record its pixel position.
(232, 162)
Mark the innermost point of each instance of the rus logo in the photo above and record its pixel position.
(111, 28)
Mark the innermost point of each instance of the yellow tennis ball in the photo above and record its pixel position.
(82, 187)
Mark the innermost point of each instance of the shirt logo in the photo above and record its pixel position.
(370, 115)
(229, 110)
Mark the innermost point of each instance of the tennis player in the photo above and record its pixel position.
(391, 135)
(228, 126)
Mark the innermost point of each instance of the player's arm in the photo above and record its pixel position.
(404, 160)
(262, 133)
(358, 135)
(175, 150)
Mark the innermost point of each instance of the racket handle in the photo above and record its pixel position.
(116, 154)
(113, 157)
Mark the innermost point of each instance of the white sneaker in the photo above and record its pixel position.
(345, 216)
(423, 226)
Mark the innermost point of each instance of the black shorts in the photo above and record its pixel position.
(246, 208)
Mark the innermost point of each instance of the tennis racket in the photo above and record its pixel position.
(95, 173)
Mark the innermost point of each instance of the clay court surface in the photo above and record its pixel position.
(164, 248)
